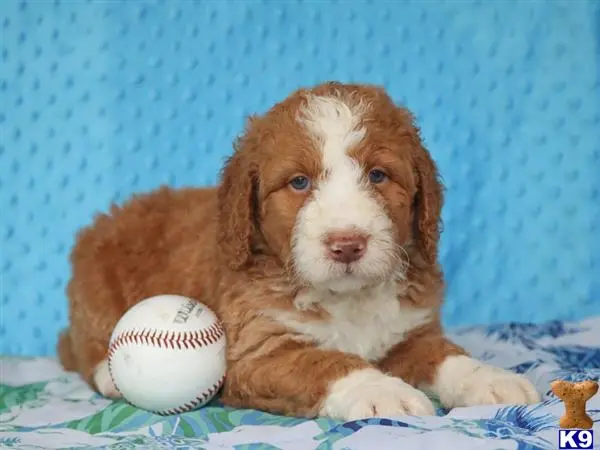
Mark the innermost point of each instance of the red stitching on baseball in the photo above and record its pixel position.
(110, 371)
(169, 339)
(194, 403)
(172, 340)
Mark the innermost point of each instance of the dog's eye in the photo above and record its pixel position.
(377, 176)
(300, 183)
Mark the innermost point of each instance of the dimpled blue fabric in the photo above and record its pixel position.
(102, 99)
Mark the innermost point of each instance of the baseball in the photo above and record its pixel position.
(167, 355)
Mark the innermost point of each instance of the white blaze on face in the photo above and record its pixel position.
(341, 201)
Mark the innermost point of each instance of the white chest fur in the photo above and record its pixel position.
(368, 323)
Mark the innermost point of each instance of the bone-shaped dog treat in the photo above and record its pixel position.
(575, 396)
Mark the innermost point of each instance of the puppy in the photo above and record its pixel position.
(319, 252)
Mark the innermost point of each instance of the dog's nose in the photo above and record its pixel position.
(346, 247)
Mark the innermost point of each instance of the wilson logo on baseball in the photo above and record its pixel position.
(167, 355)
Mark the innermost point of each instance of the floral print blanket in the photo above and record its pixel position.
(42, 407)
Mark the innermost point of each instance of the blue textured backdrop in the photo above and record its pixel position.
(101, 99)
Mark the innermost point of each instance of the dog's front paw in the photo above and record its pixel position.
(464, 381)
(370, 393)
(104, 382)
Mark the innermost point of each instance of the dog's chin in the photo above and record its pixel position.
(346, 279)
(345, 284)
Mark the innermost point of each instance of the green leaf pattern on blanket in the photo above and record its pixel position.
(42, 407)
(116, 415)
(13, 396)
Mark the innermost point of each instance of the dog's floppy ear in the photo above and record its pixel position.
(236, 196)
(428, 206)
(429, 198)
